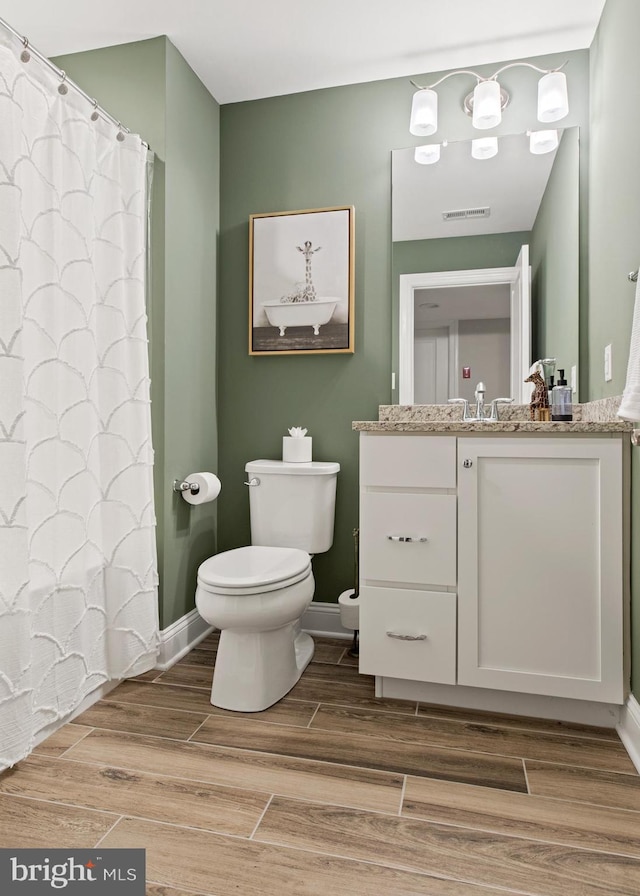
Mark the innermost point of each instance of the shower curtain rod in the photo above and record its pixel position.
(63, 79)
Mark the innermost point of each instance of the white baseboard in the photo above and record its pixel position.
(180, 637)
(629, 729)
(581, 712)
(323, 619)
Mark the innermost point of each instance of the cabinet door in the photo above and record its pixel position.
(540, 566)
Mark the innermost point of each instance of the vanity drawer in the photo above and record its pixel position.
(386, 518)
(408, 634)
(407, 461)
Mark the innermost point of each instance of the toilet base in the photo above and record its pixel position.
(304, 648)
(254, 670)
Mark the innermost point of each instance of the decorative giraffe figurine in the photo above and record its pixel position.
(540, 394)
(309, 292)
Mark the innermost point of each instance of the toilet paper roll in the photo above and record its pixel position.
(208, 488)
(349, 610)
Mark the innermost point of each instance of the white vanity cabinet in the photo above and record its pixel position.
(494, 562)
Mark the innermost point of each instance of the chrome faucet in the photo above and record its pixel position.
(481, 415)
(479, 396)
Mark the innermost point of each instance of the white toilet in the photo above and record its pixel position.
(256, 595)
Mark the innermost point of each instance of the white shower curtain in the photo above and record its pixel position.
(78, 579)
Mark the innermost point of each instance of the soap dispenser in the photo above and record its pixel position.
(561, 401)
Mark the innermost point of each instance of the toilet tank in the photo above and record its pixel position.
(292, 505)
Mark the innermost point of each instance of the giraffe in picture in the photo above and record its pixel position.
(309, 292)
(540, 394)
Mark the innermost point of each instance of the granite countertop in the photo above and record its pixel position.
(499, 426)
(590, 418)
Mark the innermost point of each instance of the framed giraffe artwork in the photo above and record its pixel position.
(301, 282)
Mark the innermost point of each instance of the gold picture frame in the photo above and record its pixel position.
(301, 282)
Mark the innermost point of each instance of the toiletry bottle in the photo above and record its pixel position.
(561, 401)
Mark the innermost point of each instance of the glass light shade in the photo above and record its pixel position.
(424, 113)
(553, 100)
(487, 111)
(484, 147)
(543, 141)
(427, 154)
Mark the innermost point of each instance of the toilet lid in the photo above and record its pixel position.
(254, 568)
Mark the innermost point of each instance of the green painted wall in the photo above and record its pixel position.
(314, 150)
(555, 268)
(492, 250)
(295, 152)
(614, 230)
(149, 87)
(191, 245)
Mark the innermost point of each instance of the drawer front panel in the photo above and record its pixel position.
(407, 461)
(408, 634)
(387, 519)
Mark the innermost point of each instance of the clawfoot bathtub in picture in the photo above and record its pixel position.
(300, 314)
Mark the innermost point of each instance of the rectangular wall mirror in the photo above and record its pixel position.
(466, 231)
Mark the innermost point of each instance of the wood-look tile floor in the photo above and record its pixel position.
(331, 791)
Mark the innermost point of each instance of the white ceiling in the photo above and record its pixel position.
(249, 49)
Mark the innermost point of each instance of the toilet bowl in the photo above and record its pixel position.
(256, 595)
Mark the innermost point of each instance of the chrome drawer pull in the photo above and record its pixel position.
(401, 637)
(407, 538)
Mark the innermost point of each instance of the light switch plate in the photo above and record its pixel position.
(608, 375)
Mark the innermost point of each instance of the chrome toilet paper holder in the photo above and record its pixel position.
(184, 486)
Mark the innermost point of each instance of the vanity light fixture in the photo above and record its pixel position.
(542, 141)
(488, 99)
(484, 147)
(553, 100)
(487, 105)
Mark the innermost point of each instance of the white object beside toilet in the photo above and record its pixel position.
(257, 594)
(349, 607)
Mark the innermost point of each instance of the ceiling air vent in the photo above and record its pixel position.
(460, 213)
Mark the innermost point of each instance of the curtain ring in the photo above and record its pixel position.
(120, 134)
(25, 56)
(63, 88)
(95, 115)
